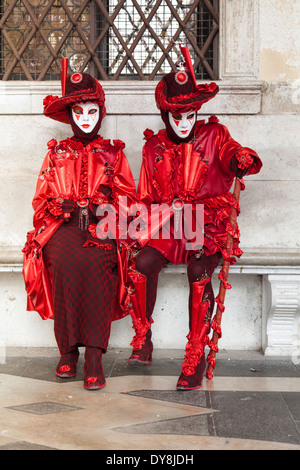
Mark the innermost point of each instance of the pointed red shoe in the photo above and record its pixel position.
(93, 371)
(144, 354)
(67, 366)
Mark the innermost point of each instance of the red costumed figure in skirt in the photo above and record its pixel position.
(187, 165)
(72, 275)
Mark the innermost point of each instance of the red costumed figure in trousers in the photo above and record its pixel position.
(72, 275)
(187, 165)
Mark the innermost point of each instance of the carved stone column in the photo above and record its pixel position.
(281, 314)
(239, 39)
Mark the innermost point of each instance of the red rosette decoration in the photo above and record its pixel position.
(119, 143)
(52, 144)
(92, 380)
(244, 159)
(99, 198)
(148, 133)
(55, 207)
(213, 118)
(48, 99)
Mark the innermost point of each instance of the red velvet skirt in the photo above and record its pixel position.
(84, 286)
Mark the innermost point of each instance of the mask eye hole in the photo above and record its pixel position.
(176, 117)
(93, 111)
(78, 110)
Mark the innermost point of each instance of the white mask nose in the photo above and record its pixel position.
(184, 123)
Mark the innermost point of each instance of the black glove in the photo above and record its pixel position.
(61, 207)
(67, 206)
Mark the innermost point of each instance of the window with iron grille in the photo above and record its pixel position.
(111, 39)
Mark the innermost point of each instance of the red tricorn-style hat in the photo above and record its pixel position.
(75, 88)
(178, 91)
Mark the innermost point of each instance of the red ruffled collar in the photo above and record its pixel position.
(69, 145)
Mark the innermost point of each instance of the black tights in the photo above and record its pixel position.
(150, 262)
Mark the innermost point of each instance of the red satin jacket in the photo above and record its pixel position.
(197, 173)
(106, 166)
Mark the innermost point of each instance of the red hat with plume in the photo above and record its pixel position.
(75, 88)
(178, 91)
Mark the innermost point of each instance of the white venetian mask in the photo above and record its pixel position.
(182, 123)
(86, 115)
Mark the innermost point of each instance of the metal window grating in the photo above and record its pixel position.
(112, 39)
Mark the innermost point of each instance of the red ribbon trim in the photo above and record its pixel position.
(222, 278)
(220, 303)
(141, 328)
(216, 327)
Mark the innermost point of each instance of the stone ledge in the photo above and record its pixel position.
(259, 261)
(253, 261)
(235, 97)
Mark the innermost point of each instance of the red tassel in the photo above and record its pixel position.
(63, 75)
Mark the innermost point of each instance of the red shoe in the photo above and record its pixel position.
(67, 365)
(144, 354)
(93, 371)
(191, 377)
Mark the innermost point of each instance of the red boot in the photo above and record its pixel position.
(142, 346)
(194, 361)
(67, 365)
(142, 350)
(192, 371)
(93, 370)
